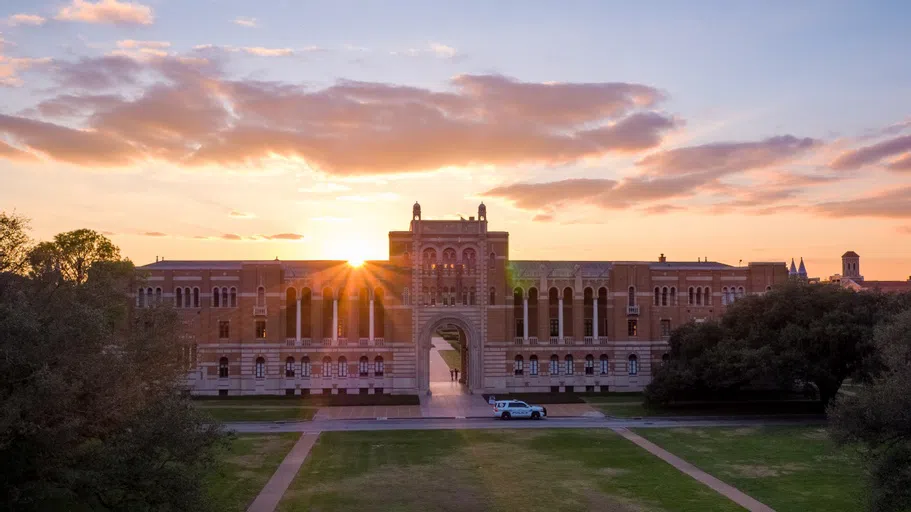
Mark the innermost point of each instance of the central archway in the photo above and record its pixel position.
(471, 361)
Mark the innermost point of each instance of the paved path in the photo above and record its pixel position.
(491, 423)
(275, 488)
(685, 467)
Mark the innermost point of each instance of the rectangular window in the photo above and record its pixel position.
(554, 327)
(589, 327)
(533, 366)
(665, 328)
(260, 329)
(289, 392)
(632, 327)
(224, 329)
(520, 327)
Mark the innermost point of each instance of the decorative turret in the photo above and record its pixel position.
(482, 212)
(802, 271)
(850, 266)
(416, 211)
(792, 273)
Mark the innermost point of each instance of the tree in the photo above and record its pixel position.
(878, 418)
(14, 243)
(91, 412)
(72, 254)
(796, 335)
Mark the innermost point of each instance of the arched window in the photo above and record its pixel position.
(186, 297)
(363, 313)
(633, 364)
(363, 366)
(518, 366)
(768, 288)
(493, 296)
(698, 295)
(740, 292)
(445, 294)
(568, 312)
(569, 364)
(472, 297)
(260, 296)
(379, 313)
(342, 367)
(429, 257)
(328, 297)
(291, 313)
(223, 367)
(518, 313)
(224, 298)
(216, 298)
(632, 296)
(657, 296)
(141, 297)
(305, 367)
(195, 297)
(673, 295)
(178, 298)
(306, 311)
(553, 312)
(664, 296)
(533, 365)
(665, 357)
(260, 369)
(234, 297)
(157, 295)
(724, 295)
(554, 365)
(589, 365)
(379, 366)
(588, 312)
(327, 367)
(602, 311)
(692, 298)
(449, 256)
(289, 367)
(492, 261)
(707, 296)
(533, 312)
(605, 367)
(469, 257)
(342, 307)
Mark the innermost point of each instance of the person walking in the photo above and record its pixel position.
(451, 378)
(457, 374)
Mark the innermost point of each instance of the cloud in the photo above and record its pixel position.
(901, 164)
(432, 49)
(285, 236)
(25, 19)
(107, 11)
(441, 50)
(69, 145)
(268, 52)
(154, 234)
(874, 154)
(543, 217)
(233, 237)
(134, 44)
(246, 22)
(187, 113)
(241, 215)
(11, 67)
(661, 209)
(15, 154)
(894, 203)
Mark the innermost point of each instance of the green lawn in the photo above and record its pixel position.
(452, 358)
(240, 413)
(626, 408)
(787, 468)
(245, 468)
(498, 470)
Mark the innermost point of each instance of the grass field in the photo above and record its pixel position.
(260, 413)
(246, 467)
(627, 408)
(787, 468)
(502, 470)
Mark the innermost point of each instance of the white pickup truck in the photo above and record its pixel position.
(508, 409)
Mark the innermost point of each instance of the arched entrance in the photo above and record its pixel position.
(467, 345)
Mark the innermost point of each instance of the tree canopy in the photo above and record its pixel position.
(91, 414)
(794, 336)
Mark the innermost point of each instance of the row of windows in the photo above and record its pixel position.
(224, 297)
(632, 365)
(364, 367)
(665, 296)
(729, 295)
(186, 298)
(145, 297)
(449, 296)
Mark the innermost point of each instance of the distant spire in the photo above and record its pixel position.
(802, 271)
(793, 270)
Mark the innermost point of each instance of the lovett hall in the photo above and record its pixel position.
(299, 327)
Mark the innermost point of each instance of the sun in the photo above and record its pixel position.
(355, 262)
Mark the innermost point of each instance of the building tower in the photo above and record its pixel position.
(850, 266)
(792, 272)
(802, 271)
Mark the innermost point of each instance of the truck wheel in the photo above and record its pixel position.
(536, 415)
(505, 416)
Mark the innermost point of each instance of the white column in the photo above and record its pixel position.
(595, 318)
(371, 319)
(525, 318)
(334, 321)
(298, 334)
(560, 316)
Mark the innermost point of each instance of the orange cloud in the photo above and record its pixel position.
(107, 11)
(894, 203)
(25, 19)
(191, 115)
(154, 234)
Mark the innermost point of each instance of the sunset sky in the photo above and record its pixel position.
(234, 129)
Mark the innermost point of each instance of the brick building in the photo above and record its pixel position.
(296, 327)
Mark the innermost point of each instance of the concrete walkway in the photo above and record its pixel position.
(685, 467)
(275, 488)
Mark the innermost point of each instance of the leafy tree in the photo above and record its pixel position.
(878, 418)
(796, 335)
(72, 254)
(91, 414)
(14, 243)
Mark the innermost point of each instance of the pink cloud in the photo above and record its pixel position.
(284, 236)
(893, 203)
(25, 19)
(154, 234)
(872, 154)
(80, 147)
(901, 164)
(107, 11)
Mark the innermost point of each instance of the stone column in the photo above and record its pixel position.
(298, 332)
(595, 318)
(334, 321)
(525, 318)
(371, 320)
(560, 316)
